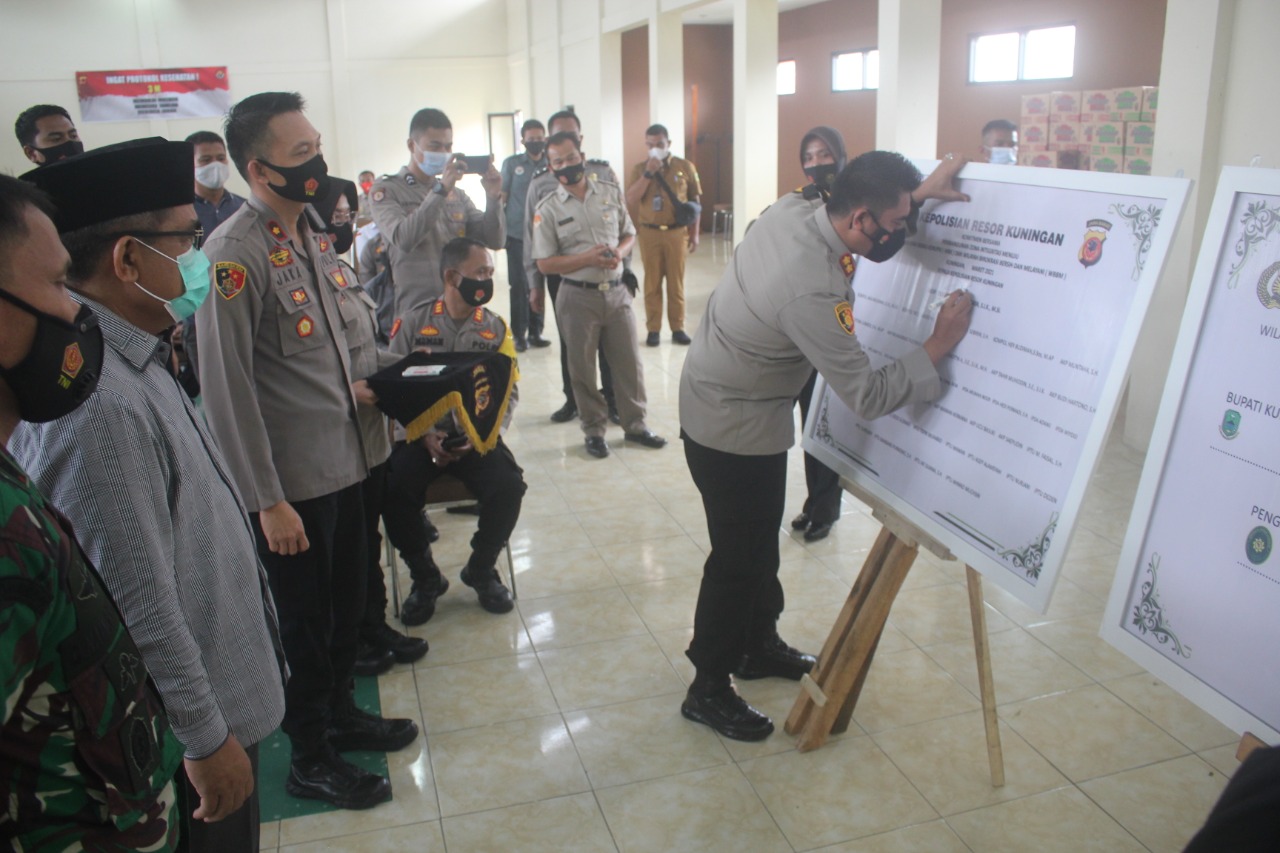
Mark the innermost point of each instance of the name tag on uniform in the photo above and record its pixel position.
(565, 221)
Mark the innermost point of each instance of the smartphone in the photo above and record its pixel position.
(453, 442)
(477, 164)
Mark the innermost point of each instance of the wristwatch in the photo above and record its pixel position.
(650, 175)
(439, 188)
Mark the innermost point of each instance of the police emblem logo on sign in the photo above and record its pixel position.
(1258, 546)
(229, 278)
(305, 326)
(844, 316)
(1094, 236)
(1230, 426)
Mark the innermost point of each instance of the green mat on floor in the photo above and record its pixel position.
(273, 765)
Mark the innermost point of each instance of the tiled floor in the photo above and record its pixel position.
(557, 727)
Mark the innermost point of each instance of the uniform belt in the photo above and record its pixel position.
(661, 227)
(591, 285)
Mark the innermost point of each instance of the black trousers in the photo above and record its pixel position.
(238, 831)
(319, 597)
(823, 501)
(374, 493)
(494, 478)
(524, 321)
(606, 375)
(741, 597)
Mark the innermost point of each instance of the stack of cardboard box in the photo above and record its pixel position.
(1100, 130)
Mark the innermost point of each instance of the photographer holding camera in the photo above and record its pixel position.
(420, 208)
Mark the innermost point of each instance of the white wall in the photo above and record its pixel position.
(368, 63)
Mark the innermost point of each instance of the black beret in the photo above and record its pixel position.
(138, 176)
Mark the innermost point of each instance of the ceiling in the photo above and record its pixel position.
(721, 11)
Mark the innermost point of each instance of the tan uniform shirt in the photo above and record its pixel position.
(416, 222)
(367, 358)
(681, 176)
(563, 225)
(542, 185)
(781, 309)
(274, 367)
(430, 326)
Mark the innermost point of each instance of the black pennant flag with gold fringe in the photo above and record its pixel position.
(422, 388)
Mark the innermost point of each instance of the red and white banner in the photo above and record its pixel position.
(153, 93)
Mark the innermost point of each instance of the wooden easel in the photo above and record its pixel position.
(830, 693)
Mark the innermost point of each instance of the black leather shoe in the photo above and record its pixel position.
(353, 729)
(420, 606)
(521, 344)
(614, 417)
(800, 522)
(493, 594)
(726, 712)
(653, 340)
(433, 532)
(325, 775)
(775, 660)
(372, 659)
(648, 438)
(597, 446)
(402, 648)
(817, 531)
(538, 341)
(565, 413)
(681, 338)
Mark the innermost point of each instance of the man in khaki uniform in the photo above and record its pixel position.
(540, 286)
(279, 397)
(580, 233)
(783, 308)
(420, 208)
(456, 322)
(662, 241)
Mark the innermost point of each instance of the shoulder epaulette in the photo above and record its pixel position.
(596, 161)
(541, 172)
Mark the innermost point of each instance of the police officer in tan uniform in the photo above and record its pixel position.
(663, 243)
(456, 322)
(420, 208)
(781, 309)
(580, 233)
(279, 396)
(541, 286)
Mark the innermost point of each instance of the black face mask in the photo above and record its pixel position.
(476, 292)
(62, 368)
(54, 153)
(881, 252)
(823, 175)
(343, 237)
(570, 175)
(536, 147)
(304, 183)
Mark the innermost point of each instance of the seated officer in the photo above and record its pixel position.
(456, 321)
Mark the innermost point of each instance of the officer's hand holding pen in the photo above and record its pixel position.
(951, 326)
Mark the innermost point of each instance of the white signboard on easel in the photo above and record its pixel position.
(1196, 598)
(1062, 266)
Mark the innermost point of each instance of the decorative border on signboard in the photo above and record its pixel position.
(1148, 613)
(1258, 221)
(1030, 557)
(822, 429)
(1143, 223)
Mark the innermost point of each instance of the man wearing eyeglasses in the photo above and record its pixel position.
(136, 471)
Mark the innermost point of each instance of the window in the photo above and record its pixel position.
(857, 70)
(1041, 54)
(787, 77)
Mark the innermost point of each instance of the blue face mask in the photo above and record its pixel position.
(433, 162)
(194, 267)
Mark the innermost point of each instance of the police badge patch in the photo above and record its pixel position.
(299, 296)
(1094, 236)
(844, 316)
(72, 361)
(281, 257)
(305, 326)
(229, 278)
(395, 327)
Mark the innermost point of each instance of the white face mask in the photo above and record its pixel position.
(1003, 156)
(213, 175)
(658, 153)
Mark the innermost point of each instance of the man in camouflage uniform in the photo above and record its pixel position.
(420, 208)
(86, 755)
(457, 321)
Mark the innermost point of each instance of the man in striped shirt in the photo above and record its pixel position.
(138, 474)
